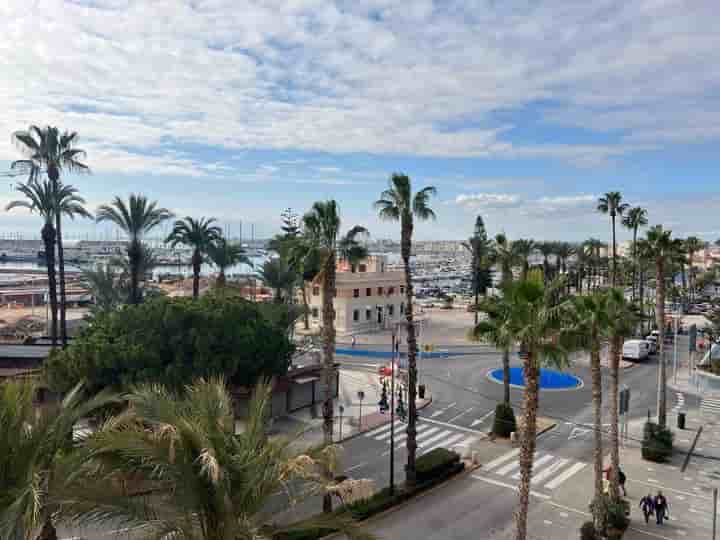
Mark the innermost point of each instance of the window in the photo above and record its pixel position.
(368, 292)
(356, 315)
(368, 314)
(316, 291)
(402, 308)
(380, 291)
(356, 293)
(402, 289)
(353, 268)
(315, 313)
(363, 268)
(391, 290)
(391, 310)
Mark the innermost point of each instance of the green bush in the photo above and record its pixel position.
(587, 531)
(504, 423)
(617, 516)
(435, 463)
(657, 444)
(381, 501)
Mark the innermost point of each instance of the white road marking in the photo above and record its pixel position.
(548, 471)
(381, 429)
(437, 413)
(356, 466)
(446, 443)
(502, 471)
(577, 432)
(509, 486)
(502, 459)
(461, 414)
(454, 426)
(482, 419)
(536, 463)
(398, 429)
(565, 475)
(426, 433)
(435, 438)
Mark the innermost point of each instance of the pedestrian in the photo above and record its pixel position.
(647, 505)
(621, 481)
(662, 508)
(352, 341)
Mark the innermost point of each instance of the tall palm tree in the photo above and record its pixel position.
(592, 247)
(321, 241)
(46, 149)
(480, 249)
(611, 203)
(33, 441)
(532, 317)
(198, 234)
(524, 247)
(660, 247)
(48, 199)
(547, 249)
(692, 245)
(399, 203)
(591, 319)
(622, 318)
(224, 254)
(635, 218)
(563, 251)
(507, 256)
(136, 217)
(207, 482)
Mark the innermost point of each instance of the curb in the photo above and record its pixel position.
(548, 428)
(358, 433)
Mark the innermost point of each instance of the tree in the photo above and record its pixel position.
(174, 341)
(532, 317)
(275, 274)
(611, 203)
(136, 217)
(635, 218)
(106, 284)
(480, 249)
(33, 441)
(399, 203)
(198, 234)
(322, 242)
(224, 254)
(592, 247)
(563, 251)
(692, 245)
(524, 248)
(207, 482)
(660, 247)
(507, 256)
(54, 152)
(547, 249)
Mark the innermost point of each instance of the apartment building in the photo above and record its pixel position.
(368, 297)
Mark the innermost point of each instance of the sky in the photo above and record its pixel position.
(523, 112)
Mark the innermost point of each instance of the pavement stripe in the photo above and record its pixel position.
(434, 438)
(549, 471)
(398, 429)
(565, 475)
(502, 459)
(467, 442)
(510, 486)
(502, 471)
(537, 463)
(379, 430)
(425, 434)
(445, 444)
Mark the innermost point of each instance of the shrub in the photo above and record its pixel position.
(587, 531)
(616, 517)
(435, 463)
(379, 502)
(657, 443)
(504, 422)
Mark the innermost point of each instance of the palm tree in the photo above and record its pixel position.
(207, 482)
(692, 245)
(547, 249)
(660, 247)
(398, 203)
(54, 152)
(532, 317)
(622, 318)
(611, 203)
(224, 254)
(275, 274)
(47, 199)
(563, 251)
(33, 441)
(524, 247)
(506, 256)
(106, 285)
(199, 234)
(480, 249)
(635, 218)
(321, 241)
(136, 217)
(592, 247)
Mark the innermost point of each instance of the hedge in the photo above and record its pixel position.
(432, 468)
(504, 423)
(657, 444)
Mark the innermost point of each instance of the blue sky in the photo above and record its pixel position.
(523, 112)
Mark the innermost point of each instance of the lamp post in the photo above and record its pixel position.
(361, 396)
(341, 409)
(392, 412)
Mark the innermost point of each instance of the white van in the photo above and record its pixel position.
(635, 349)
(652, 344)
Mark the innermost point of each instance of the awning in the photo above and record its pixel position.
(305, 380)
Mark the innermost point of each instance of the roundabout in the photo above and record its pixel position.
(549, 379)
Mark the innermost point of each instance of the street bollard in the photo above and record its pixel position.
(681, 420)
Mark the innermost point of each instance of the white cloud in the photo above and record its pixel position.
(487, 200)
(365, 76)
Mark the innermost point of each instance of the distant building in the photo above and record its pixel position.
(368, 297)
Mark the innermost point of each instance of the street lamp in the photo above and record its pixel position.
(392, 412)
(341, 409)
(361, 396)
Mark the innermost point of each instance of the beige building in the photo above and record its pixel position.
(368, 297)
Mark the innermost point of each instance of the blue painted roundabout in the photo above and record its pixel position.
(549, 379)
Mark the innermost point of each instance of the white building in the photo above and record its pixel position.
(368, 297)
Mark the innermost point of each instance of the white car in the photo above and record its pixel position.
(652, 344)
(635, 349)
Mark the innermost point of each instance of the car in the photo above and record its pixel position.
(635, 349)
(652, 344)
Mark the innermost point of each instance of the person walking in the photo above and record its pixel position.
(352, 341)
(621, 481)
(647, 505)
(662, 508)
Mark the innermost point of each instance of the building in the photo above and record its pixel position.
(368, 297)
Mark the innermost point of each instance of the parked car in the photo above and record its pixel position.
(652, 344)
(635, 349)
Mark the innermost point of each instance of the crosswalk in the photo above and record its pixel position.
(549, 471)
(710, 406)
(428, 436)
(679, 402)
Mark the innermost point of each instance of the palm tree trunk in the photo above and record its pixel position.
(48, 236)
(598, 515)
(406, 247)
(328, 372)
(635, 262)
(61, 267)
(196, 263)
(221, 278)
(506, 375)
(48, 532)
(615, 351)
(614, 253)
(641, 292)
(133, 252)
(527, 444)
(306, 308)
(660, 321)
